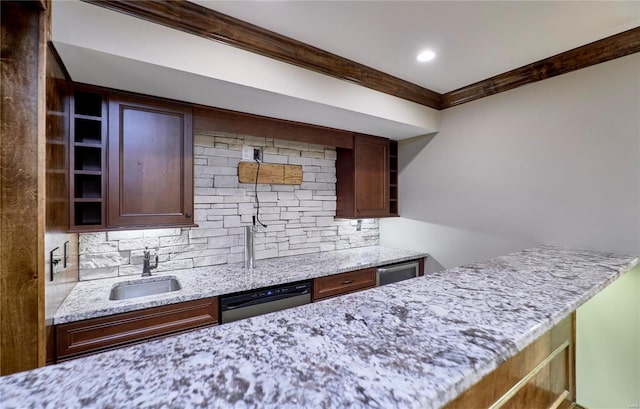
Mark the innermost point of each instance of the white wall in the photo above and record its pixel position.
(610, 324)
(555, 162)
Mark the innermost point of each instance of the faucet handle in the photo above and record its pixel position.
(146, 263)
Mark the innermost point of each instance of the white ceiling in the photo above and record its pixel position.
(474, 40)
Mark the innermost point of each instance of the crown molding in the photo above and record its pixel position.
(201, 21)
(609, 48)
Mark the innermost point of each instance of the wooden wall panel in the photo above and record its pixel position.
(22, 344)
(552, 383)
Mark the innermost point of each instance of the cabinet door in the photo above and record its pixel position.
(371, 176)
(150, 163)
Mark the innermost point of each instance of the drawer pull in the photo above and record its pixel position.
(346, 282)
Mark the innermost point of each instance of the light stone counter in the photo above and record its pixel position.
(90, 299)
(418, 343)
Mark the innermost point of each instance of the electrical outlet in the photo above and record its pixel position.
(247, 153)
(257, 154)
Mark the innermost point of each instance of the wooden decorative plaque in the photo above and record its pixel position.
(270, 173)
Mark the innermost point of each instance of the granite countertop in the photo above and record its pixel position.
(418, 343)
(90, 299)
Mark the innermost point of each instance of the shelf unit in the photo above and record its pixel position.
(87, 160)
(393, 178)
(57, 153)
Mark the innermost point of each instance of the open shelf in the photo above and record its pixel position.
(88, 213)
(88, 131)
(88, 186)
(88, 139)
(88, 103)
(393, 178)
(88, 158)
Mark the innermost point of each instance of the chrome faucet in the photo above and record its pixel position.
(146, 263)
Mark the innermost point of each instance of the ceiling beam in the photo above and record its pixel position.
(201, 21)
(615, 46)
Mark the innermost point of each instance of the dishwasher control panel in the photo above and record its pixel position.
(263, 300)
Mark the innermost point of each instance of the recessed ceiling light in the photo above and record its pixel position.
(426, 55)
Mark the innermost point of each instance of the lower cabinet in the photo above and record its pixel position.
(98, 334)
(542, 376)
(344, 283)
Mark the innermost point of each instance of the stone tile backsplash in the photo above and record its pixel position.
(299, 218)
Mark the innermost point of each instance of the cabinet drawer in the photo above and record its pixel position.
(107, 332)
(344, 283)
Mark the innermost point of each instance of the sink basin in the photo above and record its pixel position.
(142, 288)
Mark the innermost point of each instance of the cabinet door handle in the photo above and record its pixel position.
(347, 282)
(188, 215)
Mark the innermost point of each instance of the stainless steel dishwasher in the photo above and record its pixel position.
(397, 272)
(247, 304)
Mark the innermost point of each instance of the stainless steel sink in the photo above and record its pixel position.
(142, 288)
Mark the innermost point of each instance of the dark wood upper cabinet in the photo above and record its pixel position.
(150, 158)
(363, 173)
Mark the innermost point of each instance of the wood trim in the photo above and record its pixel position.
(222, 120)
(572, 357)
(58, 60)
(242, 123)
(615, 46)
(44, 20)
(51, 344)
(201, 21)
(22, 175)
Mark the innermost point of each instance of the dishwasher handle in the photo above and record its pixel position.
(396, 267)
(247, 303)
